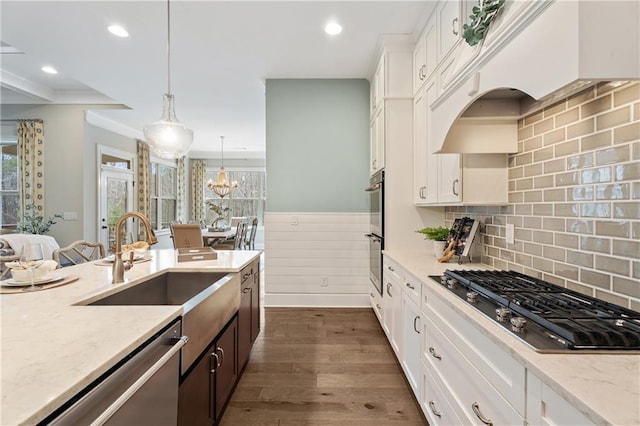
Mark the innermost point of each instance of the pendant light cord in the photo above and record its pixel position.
(221, 151)
(168, 47)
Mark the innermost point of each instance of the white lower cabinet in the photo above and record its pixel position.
(375, 299)
(546, 407)
(478, 402)
(392, 315)
(436, 402)
(412, 325)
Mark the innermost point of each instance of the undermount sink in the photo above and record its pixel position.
(208, 300)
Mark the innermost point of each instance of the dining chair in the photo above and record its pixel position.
(77, 252)
(249, 242)
(237, 242)
(186, 235)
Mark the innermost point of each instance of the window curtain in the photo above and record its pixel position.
(144, 177)
(31, 157)
(181, 196)
(198, 168)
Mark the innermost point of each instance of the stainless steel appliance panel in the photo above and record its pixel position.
(141, 391)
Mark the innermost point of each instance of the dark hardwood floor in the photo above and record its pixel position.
(322, 367)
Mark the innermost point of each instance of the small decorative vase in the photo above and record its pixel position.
(438, 247)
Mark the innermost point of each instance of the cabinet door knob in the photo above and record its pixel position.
(454, 187)
(435, 412)
(454, 26)
(433, 353)
(476, 410)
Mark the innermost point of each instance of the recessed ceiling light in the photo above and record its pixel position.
(333, 28)
(49, 69)
(118, 31)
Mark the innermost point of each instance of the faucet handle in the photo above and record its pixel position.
(128, 264)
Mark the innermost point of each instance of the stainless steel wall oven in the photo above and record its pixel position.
(376, 230)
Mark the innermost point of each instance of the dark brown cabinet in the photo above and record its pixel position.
(249, 314)
(207, 387)
(208, 383)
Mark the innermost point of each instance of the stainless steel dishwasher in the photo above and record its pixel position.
(142, 389)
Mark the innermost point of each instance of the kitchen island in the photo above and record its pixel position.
(53, 345)
(602, 387)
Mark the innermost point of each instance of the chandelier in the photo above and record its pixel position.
(167, 137)
(222, 187)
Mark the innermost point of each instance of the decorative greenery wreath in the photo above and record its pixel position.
(481, 18)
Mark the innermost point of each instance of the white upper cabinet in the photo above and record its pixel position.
(425, 57)
(449, 26)
(391, 81)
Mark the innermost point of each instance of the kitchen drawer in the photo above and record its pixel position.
(436, 401)
(498, 367)
(477, 398)
(412, 287)
(392, 269)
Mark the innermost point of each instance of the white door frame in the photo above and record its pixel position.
(105, 172)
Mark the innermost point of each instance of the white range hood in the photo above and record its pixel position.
(571, 45)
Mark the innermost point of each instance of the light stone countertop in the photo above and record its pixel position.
(604, 387)
(52, 347)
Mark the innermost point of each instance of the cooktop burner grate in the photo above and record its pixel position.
(581, 321)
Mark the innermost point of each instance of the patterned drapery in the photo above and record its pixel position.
(198, 168)
(144, 177)
(31, 158)
(181, 196)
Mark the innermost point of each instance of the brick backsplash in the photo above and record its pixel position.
(574, 193)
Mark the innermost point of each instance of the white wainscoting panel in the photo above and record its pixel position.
(303, 248)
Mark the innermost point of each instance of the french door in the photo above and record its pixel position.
(116, 194)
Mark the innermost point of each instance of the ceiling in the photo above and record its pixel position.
(221, 55)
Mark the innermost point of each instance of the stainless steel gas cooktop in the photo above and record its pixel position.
(548, 317)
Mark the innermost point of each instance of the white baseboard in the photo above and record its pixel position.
(317, 300)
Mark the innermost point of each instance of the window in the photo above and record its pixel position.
(9, 198)
(248, 199)
(164, 189)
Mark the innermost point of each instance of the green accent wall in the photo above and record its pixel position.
(317, 137)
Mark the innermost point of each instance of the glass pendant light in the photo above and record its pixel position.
(222, 187)
(167, 137)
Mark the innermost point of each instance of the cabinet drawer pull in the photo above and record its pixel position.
(414, 324)
(433, 353)
(455, 183)
(454, 26)
(245, 276)
(378, 306)
(391, 268)
(410, 286)
(389, 286)
(215, 355)
(246, 290)
(435, 412)
(476, 410)
(221, 355)
(371, 294)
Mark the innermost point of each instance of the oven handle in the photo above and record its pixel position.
(373, 238)
(373, 187)
(122, 399)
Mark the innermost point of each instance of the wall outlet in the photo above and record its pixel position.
(324, 281)
(510, 234)
(294, 220)
(70, 216)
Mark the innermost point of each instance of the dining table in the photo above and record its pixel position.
(208, 236)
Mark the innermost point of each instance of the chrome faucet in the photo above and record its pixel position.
(119, 266)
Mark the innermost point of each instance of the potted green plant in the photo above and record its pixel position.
(438, 235)
(34, 223)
